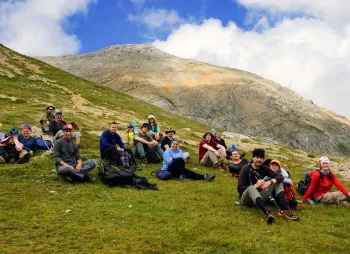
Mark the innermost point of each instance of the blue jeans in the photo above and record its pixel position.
(79, 175)
(141, 149)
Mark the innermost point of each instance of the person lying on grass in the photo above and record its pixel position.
(253, 190)
(209, 157)
(173, 161)
(68, 160)
(322, 181)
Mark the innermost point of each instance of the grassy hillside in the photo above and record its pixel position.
(40, 212)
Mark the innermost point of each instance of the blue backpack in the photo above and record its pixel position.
(43, 144)
(163, 174)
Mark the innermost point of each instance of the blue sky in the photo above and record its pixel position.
(106, 22)
(301, 44)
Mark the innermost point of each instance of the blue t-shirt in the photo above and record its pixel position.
(169, 153)
(28, 143)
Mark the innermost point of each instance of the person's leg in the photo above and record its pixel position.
(159, 151)
(186, 155)
(76, 136)
(332, 197)
(88, 166)
(68, 171)
(140, 151)
(193, 175)
(207, 160)
(111, 153)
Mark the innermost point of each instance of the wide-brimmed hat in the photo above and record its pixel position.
(208, 132)
(151, 116)
(170, 130)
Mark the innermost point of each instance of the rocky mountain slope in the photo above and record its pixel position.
(222, 97)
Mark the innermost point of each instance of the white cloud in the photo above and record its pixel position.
(160, 19)
(309, 55)
(35, 27)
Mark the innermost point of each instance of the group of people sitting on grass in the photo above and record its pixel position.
(259, 181)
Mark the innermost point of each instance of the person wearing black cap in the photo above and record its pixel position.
(253, 190)
(47, 118)
(68, 159)
(144, 142)
(209, 156)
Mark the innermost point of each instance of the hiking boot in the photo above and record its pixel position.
(269, 218)
(225, 166)
(24, 159)
(209, 177)
(145, 161)
(290, 216)
(219, 168)
(89, 179)
(2, 160)
(183, 178)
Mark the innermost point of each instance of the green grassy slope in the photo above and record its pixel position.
(40, 212)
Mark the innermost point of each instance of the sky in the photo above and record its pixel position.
(300, 44)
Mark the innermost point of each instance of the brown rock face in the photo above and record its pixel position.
(222, 97)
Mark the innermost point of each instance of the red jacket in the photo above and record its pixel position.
(321, 185)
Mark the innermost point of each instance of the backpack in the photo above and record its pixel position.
(113, 176)
(43, 144)
(163, 174)
(152, 156)
(303, 185)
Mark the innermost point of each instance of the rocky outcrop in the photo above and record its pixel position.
(222, 97)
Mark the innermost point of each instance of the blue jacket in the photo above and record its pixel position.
(169, 153)
(108, 140)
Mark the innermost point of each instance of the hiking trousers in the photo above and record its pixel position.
(141, 149)
(177, 168)
(250, 195)
(67, 171)
(210, 159)
(332, 197)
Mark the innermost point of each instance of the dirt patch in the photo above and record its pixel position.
(3, 96)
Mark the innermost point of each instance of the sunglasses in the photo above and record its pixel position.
(325, 163)
(68, 130)
(50, 108)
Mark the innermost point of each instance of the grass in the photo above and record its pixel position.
(42, 213)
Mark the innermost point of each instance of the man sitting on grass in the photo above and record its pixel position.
(68, 160)
(143, 143)
(109, 150)
(253, 189)
(208, 156)
(28, 144)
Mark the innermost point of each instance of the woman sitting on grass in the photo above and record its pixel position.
(154, 129)
(174, 162)
(238, 162)
(322, 180)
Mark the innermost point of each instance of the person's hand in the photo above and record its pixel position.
(300, 201)
(31, 152)
(291, 182)
(259, 183)
(120, 149)
(78, 167)
(2, 143)
(266, 185)
(179, 154)
(224, 155)
(154, 142)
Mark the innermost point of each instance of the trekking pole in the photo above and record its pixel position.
(271, 198)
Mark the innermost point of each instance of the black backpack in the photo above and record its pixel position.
(113, 176)
(152, 156)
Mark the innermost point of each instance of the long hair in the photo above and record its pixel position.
(154, 125)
